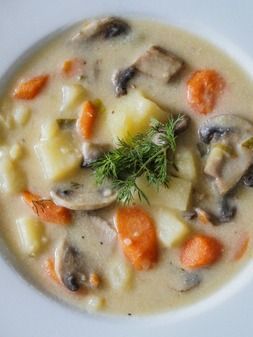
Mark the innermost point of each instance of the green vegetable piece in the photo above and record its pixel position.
(141, 155)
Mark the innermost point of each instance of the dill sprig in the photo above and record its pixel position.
(148, 154)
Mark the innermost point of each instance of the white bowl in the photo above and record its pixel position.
(25, 312)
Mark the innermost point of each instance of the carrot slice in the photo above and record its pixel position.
(31, 88)
(203, 89)
(47, 210)
(72, 67)
(137, 236)
(86, 120)
(200, 251)
(49, 267)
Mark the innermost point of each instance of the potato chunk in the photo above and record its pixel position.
(12, 179)
(32, 235)
(177, 195)
(21, 115)
(132, 115)
(186, 163)
(58, 154)
(120, 274)
(72, 95)
(171, 228)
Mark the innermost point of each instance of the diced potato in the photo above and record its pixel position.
(16, 151)
(12, 179)
(32, 235)
(120, 274)
(59, 156)
(21, 114)
(132, 115)
(49, 130)
(177, 195)
(72, 95)
(186, 163)
(95, 303)
(171, 228)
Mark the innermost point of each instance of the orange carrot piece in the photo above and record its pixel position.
(49, 267)
(72, 67)
(203, 90)
(241, 248)
(137, 236)
(200, 251)
(47, 210)
(94, 280)
(31, 88)
(86, 120)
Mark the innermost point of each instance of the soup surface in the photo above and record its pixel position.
(125, 167)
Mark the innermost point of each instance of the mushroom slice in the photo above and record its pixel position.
(69, 266)
(107, 28)
(121, 80)
(79, 196)
(74, 258)
(221, 126)
(91, 152)
(159, 63)
(228, 160)
(182, 280)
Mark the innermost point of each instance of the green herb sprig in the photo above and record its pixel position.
(149, 154)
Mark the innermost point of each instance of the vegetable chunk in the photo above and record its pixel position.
(171, 229)
(47, 210)
(72, 95)
(86, 120)
(203, 90)
(200, 251)
(120, 274)
(30, 89)
(186, 164)
(58, 155)
(137, 236)
(132, 115)
(177, 196)
(32, 235)
(12, 179)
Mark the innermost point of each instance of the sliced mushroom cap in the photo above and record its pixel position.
(80, 196)
(91, 152)
(213, 129)
(228, 159)
(74, 258)
(69, 266)
(107, 28)
(121, 80)
(182, 280)
(159, 63)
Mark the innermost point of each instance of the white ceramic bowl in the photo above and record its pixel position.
(24, 311)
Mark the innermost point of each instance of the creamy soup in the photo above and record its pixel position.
(125, 168)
